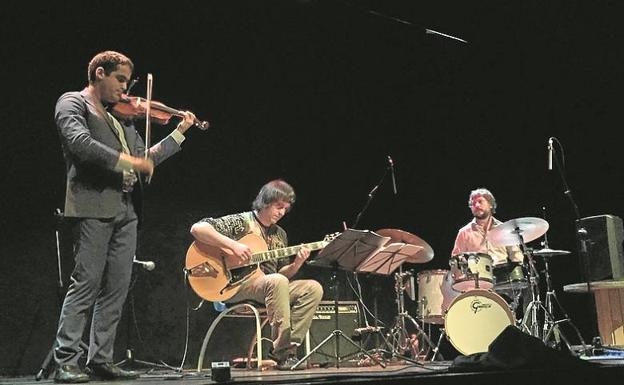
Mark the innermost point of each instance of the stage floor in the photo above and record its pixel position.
(434, 373)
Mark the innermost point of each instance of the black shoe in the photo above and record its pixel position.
(108, 371)
(275, 357)
(70, 374)
(289, 363)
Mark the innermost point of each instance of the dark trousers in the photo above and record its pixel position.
(104, 251)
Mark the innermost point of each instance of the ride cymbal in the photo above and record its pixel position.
(508, 233)
(550, 252)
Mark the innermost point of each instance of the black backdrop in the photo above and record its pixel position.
(318, 93)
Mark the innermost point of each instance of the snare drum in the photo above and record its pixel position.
(435, 294)
(510, 277)
(474, 319)
(466, 267)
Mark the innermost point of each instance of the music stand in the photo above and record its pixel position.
(346, 252)
(384, 262)
(387, 259)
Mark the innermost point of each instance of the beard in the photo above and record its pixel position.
(482, 215)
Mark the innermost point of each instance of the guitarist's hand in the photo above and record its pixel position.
(302, 255)
(291, 269)
(242, 251)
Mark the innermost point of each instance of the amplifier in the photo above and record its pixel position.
(605, 235)
(324, 323)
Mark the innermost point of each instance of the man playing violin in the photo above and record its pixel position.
(105, 164)
(290, 303)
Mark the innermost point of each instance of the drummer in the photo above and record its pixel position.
(472, 238)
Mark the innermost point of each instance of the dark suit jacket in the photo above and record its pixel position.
(91, 148)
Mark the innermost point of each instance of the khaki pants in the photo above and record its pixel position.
(290, 307)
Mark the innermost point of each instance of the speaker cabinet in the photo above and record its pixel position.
(514, 350)
(324, 323)
(606, 258)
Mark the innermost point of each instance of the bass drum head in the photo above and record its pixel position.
(474, 319)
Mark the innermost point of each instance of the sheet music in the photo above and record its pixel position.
(365, 251)
(388, 258)
(349, 249)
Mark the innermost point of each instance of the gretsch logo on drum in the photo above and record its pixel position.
(476, 305)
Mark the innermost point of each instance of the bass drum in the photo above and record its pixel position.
(474, 319)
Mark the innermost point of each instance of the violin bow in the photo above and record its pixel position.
(148, 126)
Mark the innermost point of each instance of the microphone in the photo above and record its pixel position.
(391, 163)
(550, 153)
(359, 332)
(367, 329)
(147, 265)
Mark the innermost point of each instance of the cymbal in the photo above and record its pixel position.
(550, 252)
(506, 234)
(396, 235)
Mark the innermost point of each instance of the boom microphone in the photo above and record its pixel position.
(391, 163)
(550, 153)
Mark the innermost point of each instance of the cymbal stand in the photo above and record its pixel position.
(398, 335)
(436, 348)
(552, 327)
(536, 304)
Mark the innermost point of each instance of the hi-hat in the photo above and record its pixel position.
(508, 233)
(396, 235)
(550, 252)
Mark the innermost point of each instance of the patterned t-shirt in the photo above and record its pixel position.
(236, 226)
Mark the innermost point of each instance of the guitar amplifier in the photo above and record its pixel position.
(324, 323)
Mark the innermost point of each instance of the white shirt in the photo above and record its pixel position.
(472, 238)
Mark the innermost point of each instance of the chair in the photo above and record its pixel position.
(247, 309)
(239, 310)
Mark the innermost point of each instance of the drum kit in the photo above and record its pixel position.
(474, 301)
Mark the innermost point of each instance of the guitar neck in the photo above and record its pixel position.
(271, 255)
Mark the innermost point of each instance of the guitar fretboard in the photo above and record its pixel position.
(284, 252)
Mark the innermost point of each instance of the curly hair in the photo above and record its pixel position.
(483, 192)
(109, 60)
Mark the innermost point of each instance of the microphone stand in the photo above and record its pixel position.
(130, 359)
(581, 235)
(371, 195)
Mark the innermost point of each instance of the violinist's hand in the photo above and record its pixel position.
(189, 119)
(140, 164)
(145, 165)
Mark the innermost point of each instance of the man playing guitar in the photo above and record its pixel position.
(290, 303)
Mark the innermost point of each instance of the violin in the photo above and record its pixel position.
(132, 107)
